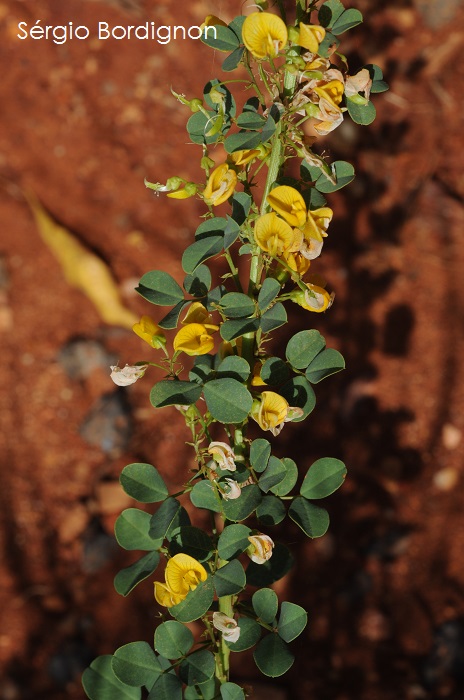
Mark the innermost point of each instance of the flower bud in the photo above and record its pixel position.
(196, 104)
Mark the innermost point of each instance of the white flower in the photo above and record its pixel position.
(227, 625)
(231, 491)
(128, 375)
(223, 455)
(260, 549)
(361, 82)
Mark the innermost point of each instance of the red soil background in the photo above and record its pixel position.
(81, 125)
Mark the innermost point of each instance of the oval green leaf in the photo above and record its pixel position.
(235, 368)
(272, 656)
(196, 603)
(289, 480)
(292, 621)
(132, 530)
(243, 507)
(250, 632)
(173, 639)
(265, 604)
(227, 400)
(127, 579)
(233, 540)
(204, 495)
(160, 288)
(229, 579)
(136, 664)
(101, 683)
(260, 451)
(144, 483)
(328, 362)
(303, 347)
(324, 477)
(271, 511)
(313, 520)
(172, 392)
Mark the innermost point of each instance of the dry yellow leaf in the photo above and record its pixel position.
(82, 268)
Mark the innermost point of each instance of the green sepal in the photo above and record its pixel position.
(229, 579)
(101, 683)
(313, 520)
(144, 483)
(127, 579)
(272, 656)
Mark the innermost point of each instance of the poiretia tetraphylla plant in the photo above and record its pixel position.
(299, 88)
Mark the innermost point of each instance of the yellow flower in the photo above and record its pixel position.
(220, 185)
(330, 117)
(298, 262)
(310, 36)
(256, 379)
(198, 313)
(264, 34)
(189, 189)
(164, 596)
(260, 549)
(213, 21)
(152, 334)
(270, 413)
(273, 235)
(244, 157)
(289, 203)
(331, 91)
(314, 298)
(183, 574)
(314, 232)
(194, 339)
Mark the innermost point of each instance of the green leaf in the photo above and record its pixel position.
(272, 475)
(224, 39)
(260, 451)
(265, 604)
(171, 319)
(127, 579)
(232, 61)
(273, 318)
(167, 687)
(202, 691)
(303, 347)
(292, 621)
(198, 283)
(233, 540)
(324, 477)
(169, 516)
(231, 691)
(171, 392)
(268, 130)
(192, 541)
(231, 232)
(227, 104)
(268, 292)
(196, 603)
(313, 520)
(199, 128)
(201, 250)
(100, 682)
(197, 668)
(237, 24)
(237, 305)
(272, 656)
(241, 203)
(237, 327)
(275, 568)
(274, 371)
(300, 394)
(173, 639)
(211, 227)
(361, 114)
(328, 362)
(235, 368)
(329, 12)
(344, 174)
(328, 44)
(144, 483)
(227, 400)
(132, 531)
(244, 140)
(251, 120)
(229, 579)
(314, 199)
(160, 288)
(250, 632)
(243, 507)
(289, 480)
(204, 495)
(136, 664)
(271, 511)
(202, 368)
(349, 19)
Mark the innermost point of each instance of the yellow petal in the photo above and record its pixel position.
(273, 234)
(289, 203)
(244, 157)
(220, 185)
(193, 339)
(264, 34)
(164, 596)
(152, 334)
(184, 573)
(271, 412)
(197, 313)
(311, 36)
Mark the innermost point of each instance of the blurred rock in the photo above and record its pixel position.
(81, 357)
(73, 524)
(110, 498)
(446, 657)
(451, 436)
(446, 479)
(99, 548)
(436, 14)
(374, 626)
(108, 424)
(69, 661)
